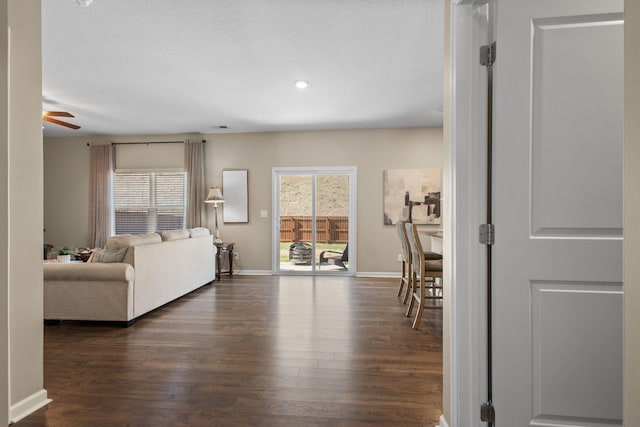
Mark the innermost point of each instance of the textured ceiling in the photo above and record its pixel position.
(150, 67)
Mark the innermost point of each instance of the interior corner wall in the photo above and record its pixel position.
(4, 220)
(25, 192)
(631, 213)
(447, 219)
(372, 151)
(66, 192)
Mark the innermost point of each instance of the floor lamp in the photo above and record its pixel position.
(215, 197)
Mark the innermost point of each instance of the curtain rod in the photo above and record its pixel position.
(150, 142)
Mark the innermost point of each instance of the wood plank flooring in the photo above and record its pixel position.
(251, 351)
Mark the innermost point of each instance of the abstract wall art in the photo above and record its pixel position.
(412, 195)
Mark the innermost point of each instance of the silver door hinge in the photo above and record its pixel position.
(488, 54)
(487, 234)
(488, 413)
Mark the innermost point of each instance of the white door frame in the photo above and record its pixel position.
(276, 172)
(467, 270)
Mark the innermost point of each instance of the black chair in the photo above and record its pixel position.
(338, 259)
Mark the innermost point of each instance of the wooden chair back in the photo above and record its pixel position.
(417, 254)
(402, 234)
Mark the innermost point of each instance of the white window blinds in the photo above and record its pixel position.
(149, 201)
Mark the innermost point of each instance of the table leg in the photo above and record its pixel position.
(218, 264)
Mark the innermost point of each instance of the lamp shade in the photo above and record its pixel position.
(214, 196)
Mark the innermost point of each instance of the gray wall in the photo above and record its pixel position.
(20, 253)
(372, 151)
(446, 216)
(4, 220)
(631, 213)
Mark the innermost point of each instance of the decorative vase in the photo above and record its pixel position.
(64, 259)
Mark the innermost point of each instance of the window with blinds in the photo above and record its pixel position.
(145, 202)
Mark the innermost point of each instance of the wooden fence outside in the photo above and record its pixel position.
(329, 229)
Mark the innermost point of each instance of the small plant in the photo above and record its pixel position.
(66, 250)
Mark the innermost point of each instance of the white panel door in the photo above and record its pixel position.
(557, 261)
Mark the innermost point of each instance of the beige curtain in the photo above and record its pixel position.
(100, 177)
(194, 165)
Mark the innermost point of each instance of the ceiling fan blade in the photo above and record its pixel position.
(57, 113)
(60, 122)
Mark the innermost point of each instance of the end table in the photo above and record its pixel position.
(227, 248)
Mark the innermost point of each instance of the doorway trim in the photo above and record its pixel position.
(276, 173)
(467, 368)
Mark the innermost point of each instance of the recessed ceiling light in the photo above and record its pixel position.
(84, 3)
(302, 84)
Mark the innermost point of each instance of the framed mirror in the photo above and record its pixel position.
(236, 195)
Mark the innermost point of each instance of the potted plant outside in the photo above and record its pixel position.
(64, 254)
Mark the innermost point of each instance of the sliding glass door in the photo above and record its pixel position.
(314, 215)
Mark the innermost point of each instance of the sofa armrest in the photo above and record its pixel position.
(116, 271)
(93, 291)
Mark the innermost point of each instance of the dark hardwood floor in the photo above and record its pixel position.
(251, 351)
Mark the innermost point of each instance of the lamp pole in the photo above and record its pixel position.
(216, 232)
(215, 197)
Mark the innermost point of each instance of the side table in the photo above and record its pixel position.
(227, 248)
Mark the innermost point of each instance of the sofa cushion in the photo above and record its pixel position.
(198, 232)
(108, 255)
(174, 235)
(128, 240)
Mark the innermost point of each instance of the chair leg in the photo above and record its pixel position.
(412, 287)
(431, 287)
(407, 292)
(435, 288)
(404, 267)
(421, 303)
(418, 318)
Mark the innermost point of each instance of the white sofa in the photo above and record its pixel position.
(157, 268)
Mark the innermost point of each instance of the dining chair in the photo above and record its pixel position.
(425, 274)
(405, 278)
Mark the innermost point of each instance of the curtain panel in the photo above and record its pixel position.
(100, 177)
(194, 165)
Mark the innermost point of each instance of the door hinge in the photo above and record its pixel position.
(488, 413)
(488, 54)
(487, 234)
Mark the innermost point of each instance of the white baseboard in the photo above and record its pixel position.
(28, 405)
(370, 274)
(379, 274)
(442, 422)
(253, 273)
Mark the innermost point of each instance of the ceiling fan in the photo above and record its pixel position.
(47, 116)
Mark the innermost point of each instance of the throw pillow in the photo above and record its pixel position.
(108, 255)
(198, 231)
(96, 255)
(114, 255)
